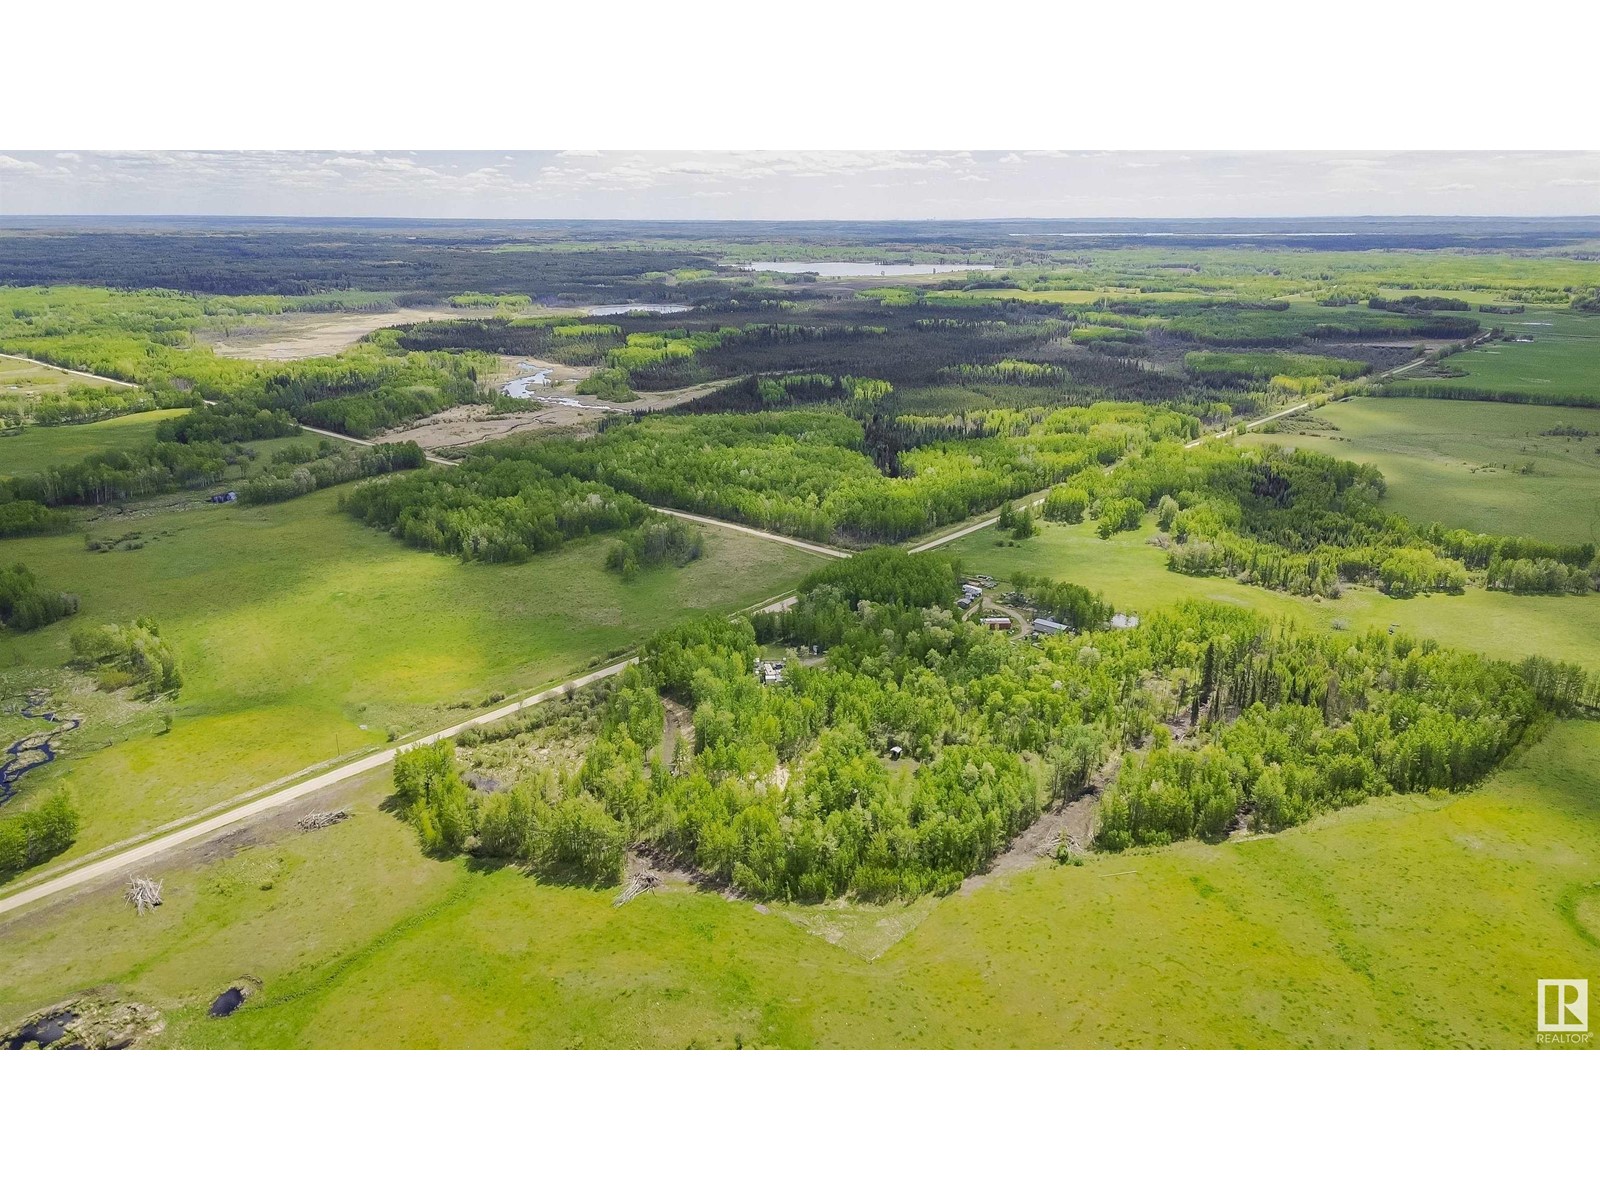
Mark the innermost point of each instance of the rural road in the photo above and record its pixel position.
(813, 547)
(946, 538)
(1249, 425)
(122, 862)
(1378, 378)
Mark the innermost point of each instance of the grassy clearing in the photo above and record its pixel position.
(38, 447)
(1562, 359)
(21, 380)
(303, 636)
(1462, 462)
(1133, 575)
(1406, 922)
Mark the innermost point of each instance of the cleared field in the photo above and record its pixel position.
(1463, 462)
(1562, 359)
(1133, 575)
(281, 337)
(1418, 922)
(23, 379)
(304, 636)
(37, 447)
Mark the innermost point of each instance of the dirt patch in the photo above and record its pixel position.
(1068, 822)
(468, 425)
(309, 335)
(865, 930)
(678, 727)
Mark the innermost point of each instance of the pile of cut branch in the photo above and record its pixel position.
(144, 894)
(639, 884)
(321, 820)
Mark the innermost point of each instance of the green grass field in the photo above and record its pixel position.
(23, 380)
(1133, 575)
(1404, 922)
(39, 447)
(1460, 462)
(303, 635)
(1562, 359)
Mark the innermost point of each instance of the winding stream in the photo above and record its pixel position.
(34, 749)
(522, 387)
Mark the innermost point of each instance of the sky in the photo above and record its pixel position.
(798, 185)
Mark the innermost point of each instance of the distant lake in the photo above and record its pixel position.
(858, 270)
(616, 310)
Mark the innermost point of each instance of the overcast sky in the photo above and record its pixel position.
(860, 185)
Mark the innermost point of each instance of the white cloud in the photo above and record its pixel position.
(7, 163)
(816, 184)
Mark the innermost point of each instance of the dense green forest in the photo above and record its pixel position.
(922, 744)
(1304, 522)
(494, 507)
(295, 472)
(805, 471)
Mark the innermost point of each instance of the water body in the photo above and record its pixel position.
(47, 1030)
(517, 389)
(224, 1004)
(521, 388)
(861, 270)
(35, 749)
(617, 310)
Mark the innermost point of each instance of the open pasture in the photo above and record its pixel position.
(1492, 468)
(38, 447)
(304, 636)
(1416, 922)
(1559, 360)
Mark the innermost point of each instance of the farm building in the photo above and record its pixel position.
(769, 672)
(997, 622)
(1046, 625)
